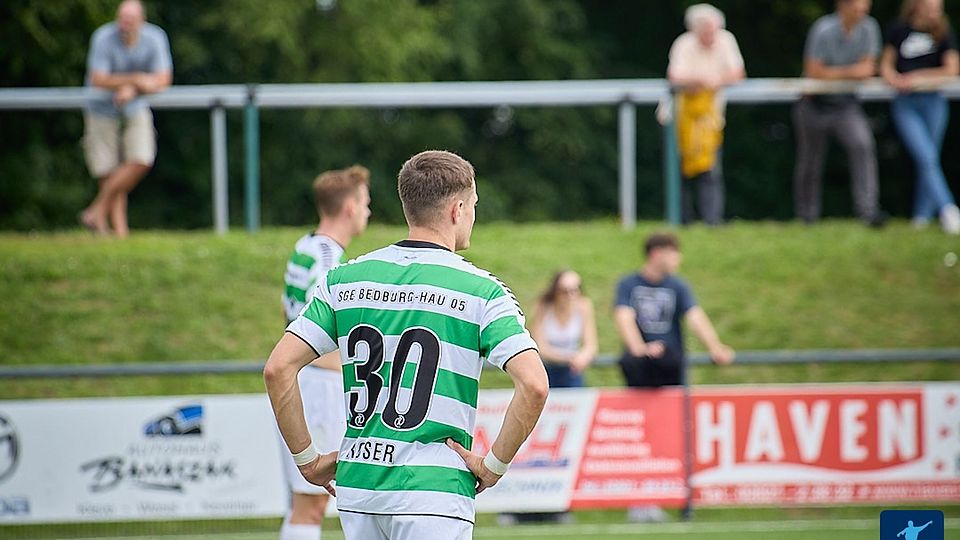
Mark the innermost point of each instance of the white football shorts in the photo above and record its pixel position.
(322, 393)
(358, 526)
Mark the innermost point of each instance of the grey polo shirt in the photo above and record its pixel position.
(829, 43)
(108, 54)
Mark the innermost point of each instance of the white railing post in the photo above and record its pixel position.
(218, 150)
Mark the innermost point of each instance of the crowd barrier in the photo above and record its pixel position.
(625, 94)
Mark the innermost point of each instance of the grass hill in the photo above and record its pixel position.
(175, 296)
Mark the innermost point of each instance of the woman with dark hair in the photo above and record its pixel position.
(566, 334)
(919, 54)
(565, 330)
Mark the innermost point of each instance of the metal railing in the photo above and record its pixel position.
(626, 94)
(756, 357)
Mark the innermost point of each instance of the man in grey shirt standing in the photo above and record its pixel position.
(129, 58)
(841, 46)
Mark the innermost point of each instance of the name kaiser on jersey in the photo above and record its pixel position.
(373, 451)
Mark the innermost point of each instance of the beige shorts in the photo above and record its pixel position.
(102, 141)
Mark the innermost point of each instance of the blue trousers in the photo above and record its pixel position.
(561, 376)
(921, 119)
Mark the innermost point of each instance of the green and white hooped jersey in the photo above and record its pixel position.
(421, 306)
(313, 255)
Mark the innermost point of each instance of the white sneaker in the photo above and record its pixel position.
(950, 219)
(646, 514)
(920, 223)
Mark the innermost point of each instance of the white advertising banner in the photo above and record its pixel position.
(543, 474)
(139, 458)
(219, 456)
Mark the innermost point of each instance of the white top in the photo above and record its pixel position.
(689, 58)
(566, 337)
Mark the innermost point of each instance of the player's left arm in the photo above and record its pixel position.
(698, 321)
(530, 395)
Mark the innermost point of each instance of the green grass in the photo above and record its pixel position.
(846, 523)
(172, 296)
(70, 298)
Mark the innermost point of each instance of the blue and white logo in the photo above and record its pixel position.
(911, 525)
(14, 507)
(186, 420)
(172, 457)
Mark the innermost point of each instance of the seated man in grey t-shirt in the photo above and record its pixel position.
(128, 58)
(841, 46)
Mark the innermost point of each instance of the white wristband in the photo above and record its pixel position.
(306, 456)
(496, 466)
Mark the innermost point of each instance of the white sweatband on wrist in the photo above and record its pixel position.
(306, 456)
(496, 466)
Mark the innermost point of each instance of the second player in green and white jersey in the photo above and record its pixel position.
(313, 255)
(413, 322)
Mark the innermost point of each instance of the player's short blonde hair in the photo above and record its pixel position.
(427, 180)
(332, 188)
(698, 13)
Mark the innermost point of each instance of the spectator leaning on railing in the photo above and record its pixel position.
(130, 58)
(703, 59)
(919, 54)
(841, 46)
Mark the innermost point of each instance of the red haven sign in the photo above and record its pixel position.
(849, 431)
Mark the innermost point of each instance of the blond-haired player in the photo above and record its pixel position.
(343, 203)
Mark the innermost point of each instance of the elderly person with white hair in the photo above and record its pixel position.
(703, 60)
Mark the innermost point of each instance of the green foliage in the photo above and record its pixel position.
(537, 164)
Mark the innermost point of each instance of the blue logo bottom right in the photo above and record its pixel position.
(911, 525)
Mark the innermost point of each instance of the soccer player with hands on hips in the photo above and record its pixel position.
(413, 322)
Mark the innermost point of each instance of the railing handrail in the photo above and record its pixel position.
(751, 357)
(449, 94)
(625, 94)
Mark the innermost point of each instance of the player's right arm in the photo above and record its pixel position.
(311, 334)
(530, 395)
(280, 376)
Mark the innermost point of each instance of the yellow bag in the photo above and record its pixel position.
(699, 131)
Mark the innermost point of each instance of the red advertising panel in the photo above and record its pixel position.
(826, 444)
(751, 445)
(633, 451)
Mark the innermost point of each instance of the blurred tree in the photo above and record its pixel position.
(548, 163)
